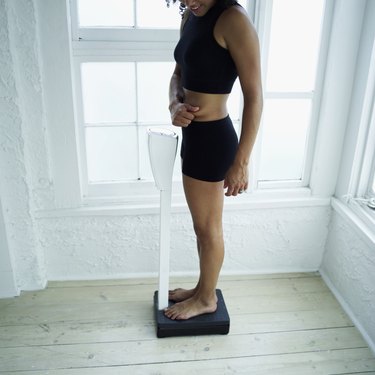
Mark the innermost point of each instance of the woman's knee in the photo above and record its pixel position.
(208, 232)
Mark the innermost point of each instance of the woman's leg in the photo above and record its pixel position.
(205, 201)
(180, 294)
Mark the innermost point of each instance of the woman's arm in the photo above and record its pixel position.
(182, 114)
(240, 38)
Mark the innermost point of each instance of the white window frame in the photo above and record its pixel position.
(363, 168)
(126, 45)
(263, 24)
(118, 189)
(120, 45)
(117, 34)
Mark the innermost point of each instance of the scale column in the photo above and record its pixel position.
(165, 219)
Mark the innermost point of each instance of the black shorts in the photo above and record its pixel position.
(208, 149)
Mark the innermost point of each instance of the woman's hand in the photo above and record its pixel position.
(182, 114)
(237, 179)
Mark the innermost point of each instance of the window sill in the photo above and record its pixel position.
(361, 221)
(149, 205)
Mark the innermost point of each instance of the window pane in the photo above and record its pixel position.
(234, 101)
(108, 91)
(153, 86)
(160, 16)
(285, 127)
(144, 159)
(150, 15)
(112, 153)
(106, 13)
(294, 44)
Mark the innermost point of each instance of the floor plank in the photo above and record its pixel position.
(130, 293)
(113, 330)
(177, 349)
(280, 324)
(327, 362)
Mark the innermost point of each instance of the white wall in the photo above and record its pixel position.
(257, 241)
(349, 262)
(24, 181)
(349, 270)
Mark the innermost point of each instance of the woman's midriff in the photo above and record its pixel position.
(211, 106)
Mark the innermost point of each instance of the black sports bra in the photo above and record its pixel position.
(206, 66)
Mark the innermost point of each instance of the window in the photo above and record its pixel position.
(123, 60)
(126, 14)
(372, 183)
(365, 191)
(368, 168)
(291, 49)
(361, 192)
(122, 55)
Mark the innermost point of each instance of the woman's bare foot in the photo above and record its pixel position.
(179, 295)
(190, 308)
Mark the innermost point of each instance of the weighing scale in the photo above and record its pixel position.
(162, 145)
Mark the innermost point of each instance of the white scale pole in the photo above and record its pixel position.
(162, 144)
(165, 236)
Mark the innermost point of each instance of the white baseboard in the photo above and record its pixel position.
(154, 275)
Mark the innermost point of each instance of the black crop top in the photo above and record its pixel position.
(206, 66)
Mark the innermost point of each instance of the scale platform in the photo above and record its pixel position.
(216, 323)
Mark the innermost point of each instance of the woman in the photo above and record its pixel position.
(217, 44)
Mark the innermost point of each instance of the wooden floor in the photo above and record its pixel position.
(280, 324)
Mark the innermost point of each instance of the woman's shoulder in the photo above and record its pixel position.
(234, 19)
(234, 26)
(234, 13)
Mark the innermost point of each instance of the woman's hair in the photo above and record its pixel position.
(182, 6)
